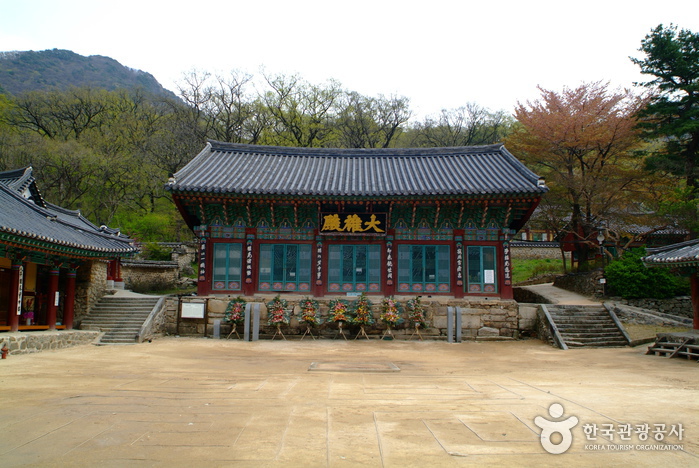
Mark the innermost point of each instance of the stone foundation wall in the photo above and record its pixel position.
(498, 318)
(529, 252)
(33, 342)
(143, 274)
(680, 305)
(587, 284)
(90, 286)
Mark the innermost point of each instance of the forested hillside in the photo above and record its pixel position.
(108, 149)
(61, 69)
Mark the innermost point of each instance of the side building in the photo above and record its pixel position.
(328, 222)
(50, 258)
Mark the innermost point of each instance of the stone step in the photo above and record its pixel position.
(121, 309)
(120, 318)
(600, 344)
(575, 336)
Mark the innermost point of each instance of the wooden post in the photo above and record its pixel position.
(694, 285)
(52, 298)
(15, 295)
(69, 302)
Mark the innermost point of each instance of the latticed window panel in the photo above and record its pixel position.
(481, 270)
(424, 268)
(285, 267)
(228, 266)
(354, 268)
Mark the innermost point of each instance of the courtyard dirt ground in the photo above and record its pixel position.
(203, 402)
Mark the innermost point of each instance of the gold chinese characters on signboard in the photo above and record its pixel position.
(353, 223)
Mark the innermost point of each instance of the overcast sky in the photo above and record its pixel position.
(440, 54)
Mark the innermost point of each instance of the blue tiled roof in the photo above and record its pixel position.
(259, 170)
(22, 218)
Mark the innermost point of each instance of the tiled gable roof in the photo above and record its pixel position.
(22, 219)
(259, 170)
(682, 254)
(22, 181)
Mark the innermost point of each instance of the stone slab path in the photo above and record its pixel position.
(201, 402)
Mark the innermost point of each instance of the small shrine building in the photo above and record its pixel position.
(322, 222)
(46, 253)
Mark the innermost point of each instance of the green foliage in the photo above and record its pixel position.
(672, 113)
(160, 226)
(629, 278)
(525, 269)
(155, 251)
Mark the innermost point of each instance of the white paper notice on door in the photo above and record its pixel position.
(489, 276)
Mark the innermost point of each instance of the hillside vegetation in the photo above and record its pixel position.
(57, 69)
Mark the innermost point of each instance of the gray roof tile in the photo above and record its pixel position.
(258, 170)
(22, 217)
(684, 253)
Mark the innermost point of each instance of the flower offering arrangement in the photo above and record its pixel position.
(235, 312)
(277, 312)
(390, 313)
(362, 311)
(416, 313)
(310, 312)
(338, 311)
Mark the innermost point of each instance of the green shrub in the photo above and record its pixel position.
(154, 251)
(629, 278)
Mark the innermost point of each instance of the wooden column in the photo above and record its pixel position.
(458, 270)
(52, 298)
(694, 285)
(69, 301)
(15, 295)
(320, 251)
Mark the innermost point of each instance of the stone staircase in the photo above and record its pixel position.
(587, 326)
(120, 318)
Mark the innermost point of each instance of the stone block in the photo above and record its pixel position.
(471, 321)
(439, 321)
(216, 306)
(488, 331)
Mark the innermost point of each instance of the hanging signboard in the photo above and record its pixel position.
(353, 223)
(20, 289)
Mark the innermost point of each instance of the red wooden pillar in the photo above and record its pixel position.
(318, 287)
(694, 285)
(203, 282)
(52, 298)
(69, 301)
(250, 261)
(459, 264)
(117, 271)
(15, 291)
(389, 279)
(110, 270)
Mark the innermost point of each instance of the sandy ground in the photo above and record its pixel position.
(202, 402)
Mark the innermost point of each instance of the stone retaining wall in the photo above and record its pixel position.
(533, 252)
(680, 305)
(587, 284)
(90, 286)
(142, 275)
(33, 342)
(499, 318)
